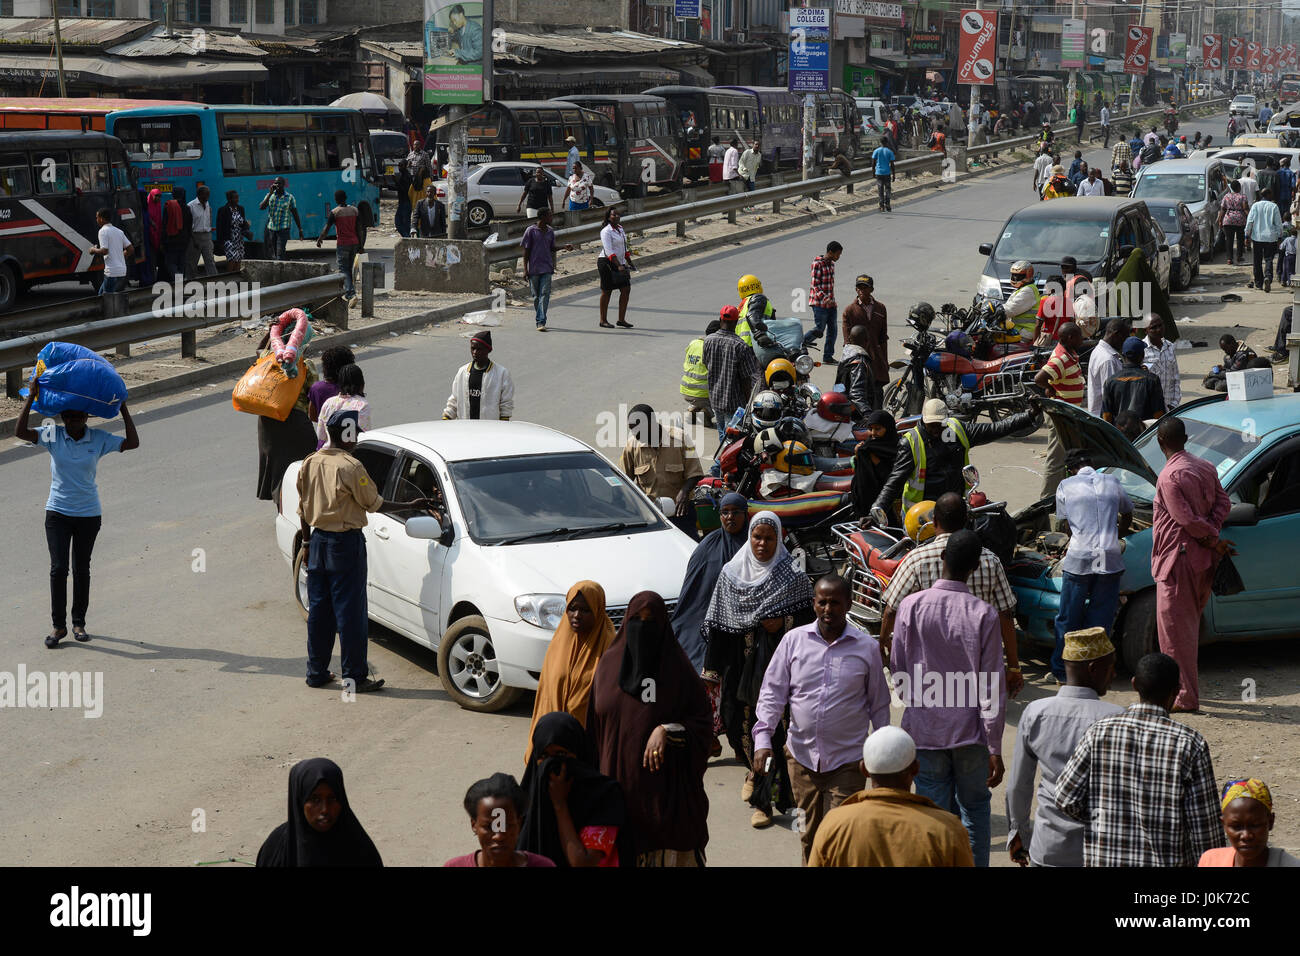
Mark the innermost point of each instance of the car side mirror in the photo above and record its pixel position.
(1244, 515)
(667, 506)
(986, 248)
(429, 528)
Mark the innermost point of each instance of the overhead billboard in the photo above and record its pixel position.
(978, 46)
(1137, 50)
(1212, 51)
(454, 49)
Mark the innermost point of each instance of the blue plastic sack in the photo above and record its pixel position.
(56, 353)
(89, 385)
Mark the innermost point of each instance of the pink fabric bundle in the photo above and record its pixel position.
(287, 355)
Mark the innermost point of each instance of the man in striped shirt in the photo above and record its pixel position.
(1061, 378)
(1163, 361)
(821, 296)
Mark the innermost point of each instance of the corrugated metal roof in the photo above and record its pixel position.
(79, 31)
(188, 43)
(593, 42)
(404, 49)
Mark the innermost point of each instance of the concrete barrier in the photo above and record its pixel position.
(269, 272)
(440, 265)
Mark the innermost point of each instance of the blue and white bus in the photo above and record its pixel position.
(316, 149)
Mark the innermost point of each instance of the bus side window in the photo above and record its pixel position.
(90, 171)
(15, 175)
(51, 173)
(121, 173)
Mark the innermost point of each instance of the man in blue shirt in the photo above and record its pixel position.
(1264, 230)
(72, 512)
(467, 36)
(884, 159)
(1098, 512)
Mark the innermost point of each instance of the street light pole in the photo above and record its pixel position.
(58, 48)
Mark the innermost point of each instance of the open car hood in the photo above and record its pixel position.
(1104, 442)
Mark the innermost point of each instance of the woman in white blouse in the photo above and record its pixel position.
(350, 398)
(615, 269)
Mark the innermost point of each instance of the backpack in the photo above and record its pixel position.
(1150, 154)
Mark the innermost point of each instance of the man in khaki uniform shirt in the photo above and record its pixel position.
(334, 494)
(660, 459)
(889, 825)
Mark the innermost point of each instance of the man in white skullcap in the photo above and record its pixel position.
(888, 825)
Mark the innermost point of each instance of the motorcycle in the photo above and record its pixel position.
(872, 553)
(970, 387)
(1171, 122)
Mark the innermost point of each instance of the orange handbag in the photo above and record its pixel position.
(266, 390)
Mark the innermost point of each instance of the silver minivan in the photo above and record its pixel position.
(1199, 182)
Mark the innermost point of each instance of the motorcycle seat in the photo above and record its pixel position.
(870, 546)
(987, 366)
(835, 483)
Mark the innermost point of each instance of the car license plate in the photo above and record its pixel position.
(389, 168)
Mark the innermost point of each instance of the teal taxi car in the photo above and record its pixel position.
(1255, 447)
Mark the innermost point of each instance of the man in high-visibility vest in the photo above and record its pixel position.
(695, 378)
(931, 456)
(755, 310)
(1021, 307)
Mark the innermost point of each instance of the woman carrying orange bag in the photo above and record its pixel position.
(279, 443)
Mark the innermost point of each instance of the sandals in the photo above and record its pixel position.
(79, 633)
(606, 325)
(624, 325)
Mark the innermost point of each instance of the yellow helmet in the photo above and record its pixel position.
(749, 285)
(794, 458)
(776, 367)
(919, 522)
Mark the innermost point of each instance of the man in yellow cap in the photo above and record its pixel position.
(1050, 729)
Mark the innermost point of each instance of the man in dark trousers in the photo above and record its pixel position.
(334, 494)
(867, 311)
(732, 367)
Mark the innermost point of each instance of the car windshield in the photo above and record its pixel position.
(1167, 217)
(1046, 240)
(1221, 447)
(1186, 187)
(389, 144)
(548, 497)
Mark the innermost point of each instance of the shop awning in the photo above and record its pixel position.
(122, 73)
(696, 76)
(900, 61)
(595, 76)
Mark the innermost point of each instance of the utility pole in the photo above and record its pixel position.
(458, 136)
(1133, 79)
(1072, 87)
(58, 48)
(975, 90)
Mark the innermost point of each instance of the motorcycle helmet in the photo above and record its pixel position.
(921, 316)
(780, 375)
(766, 442)
(766, 409)
(919, 522)
(835, 407)
(960, 343)
(749, 285)
(794, 458)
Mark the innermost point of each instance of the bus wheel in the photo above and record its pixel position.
(478, 214)
(8, 287)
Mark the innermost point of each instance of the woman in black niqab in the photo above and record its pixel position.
(593, 811)
(873, 459)
(298, 843)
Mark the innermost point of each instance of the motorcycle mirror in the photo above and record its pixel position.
(972, 476)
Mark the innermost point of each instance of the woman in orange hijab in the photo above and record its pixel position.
(583, 635)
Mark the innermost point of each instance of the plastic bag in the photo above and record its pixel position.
(480, 318)
(73, 378)
(266, 390)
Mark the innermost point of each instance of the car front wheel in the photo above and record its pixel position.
(1137, 634)
(469, 669)
(478, 214)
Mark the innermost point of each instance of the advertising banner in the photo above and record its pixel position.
(978, 46)
(1254, 58)
(1270, 59)
(1137, 50)
(810, 50)
(1178, 49)
(1212, 51)
(454, 47)
(687, 9)
(1072, 52)
(1236, 53)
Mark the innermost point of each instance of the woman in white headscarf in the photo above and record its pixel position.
(759, 597)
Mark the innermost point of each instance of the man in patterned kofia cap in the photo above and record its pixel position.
(1050, 729)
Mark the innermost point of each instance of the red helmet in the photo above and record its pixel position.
(835, 407)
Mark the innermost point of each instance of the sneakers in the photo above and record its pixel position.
(747, 790)
(760, 820)
(1277, 358)
(1268, 285)
(829, 361)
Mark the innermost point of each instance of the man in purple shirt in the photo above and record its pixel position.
(539, 263)
(832, 678)
(947, 668)
(1185, 548)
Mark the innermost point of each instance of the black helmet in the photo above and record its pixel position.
(921, 316)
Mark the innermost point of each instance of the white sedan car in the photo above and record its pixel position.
(529, 512)
(493, 191)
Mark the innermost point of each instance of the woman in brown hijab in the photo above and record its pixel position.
(584, 634)
(651, 725)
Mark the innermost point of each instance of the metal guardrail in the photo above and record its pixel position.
(508, 250)
(20, 352)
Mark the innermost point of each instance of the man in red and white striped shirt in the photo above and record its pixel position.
(1061, 378)
(821, 296)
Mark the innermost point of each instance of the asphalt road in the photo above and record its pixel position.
(201, 647)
